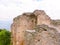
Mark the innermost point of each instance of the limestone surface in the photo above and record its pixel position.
(35, 28)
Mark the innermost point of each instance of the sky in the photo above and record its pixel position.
(12, 8)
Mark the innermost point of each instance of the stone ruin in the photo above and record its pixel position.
(35, 28)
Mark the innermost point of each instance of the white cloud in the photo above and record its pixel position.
(11, 8)
(52, 8)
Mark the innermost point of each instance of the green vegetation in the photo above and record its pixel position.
(5, 37)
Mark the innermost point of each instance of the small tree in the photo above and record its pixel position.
(5, 37)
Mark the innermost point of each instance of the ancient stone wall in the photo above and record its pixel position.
(27, 23)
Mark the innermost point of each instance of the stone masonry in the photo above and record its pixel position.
(35, 28)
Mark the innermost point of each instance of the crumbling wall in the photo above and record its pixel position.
(28, 21)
